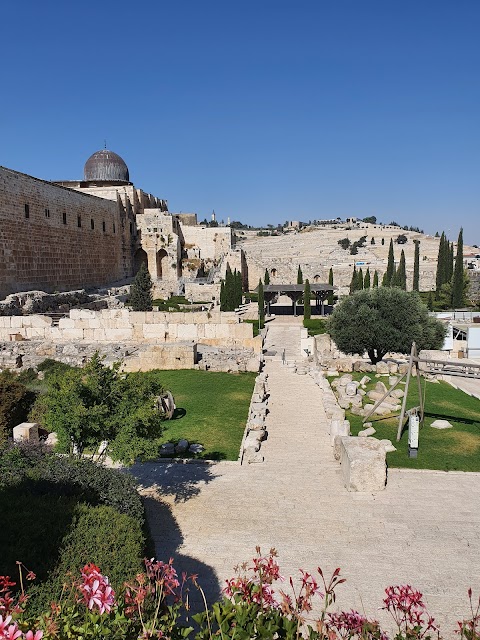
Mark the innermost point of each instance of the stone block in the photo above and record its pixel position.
(339, 428)
(26, 432)
(382, 367)
(441, 424)
(66, 323)
(369, 431)
(351, 388)
(363, 464)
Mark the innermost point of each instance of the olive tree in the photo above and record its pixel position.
(380, 320)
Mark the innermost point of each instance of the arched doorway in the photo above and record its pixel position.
(273, 272)
(139, 258)
(316, 278)
(161, 254)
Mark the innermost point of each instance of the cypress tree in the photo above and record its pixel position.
(416, 267)
(458, 298)
(401, 274)
(375, 278)
(141, 290)
(222, 295)
(237, 281)
(299, 275)
(441, 264)
(266, 277)
(229, 290)
(261, 303)
(359, 284)
(353, 281)
(390, 272)
(330, 282)
(307, 309)
(366, 282)
(430, 301)
(383, 240)
(451, 261)
(372, 241)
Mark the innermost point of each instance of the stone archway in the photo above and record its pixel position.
(316, 278)
(139, 258)
(273, 272)
(161, 254)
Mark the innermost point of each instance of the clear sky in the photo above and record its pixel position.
(263, 110)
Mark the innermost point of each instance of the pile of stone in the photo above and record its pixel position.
(255, 432)
(170, 450)
(352, 394)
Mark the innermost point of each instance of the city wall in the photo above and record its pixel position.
(213, 328)
(55, 239)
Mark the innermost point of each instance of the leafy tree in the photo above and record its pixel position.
(430, 305)
(330, 282)
(458, 299)
(390, 272)
(377, 321)
(375, 278)
(402, 238)
(354, 249)
(366, 281)
(344, 243)
(416, 267)
(371, 219)
(299, 275)
(307, 309)
(87, 406)
(141, 291)
(261, 302)
(266, 277)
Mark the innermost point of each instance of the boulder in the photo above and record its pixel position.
(167, 449)
(196, 448)
(369, 431)
(182, 446)
(344, 380)
(382, 367)
(363, 464)
(392, 380)
(388, 445)
(356, 401)
(380, 387)
(397, 393)
(364, 381)
(351, 388)
(344, 402)
(441, 424)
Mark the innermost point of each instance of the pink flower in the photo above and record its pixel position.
(12, 632)
(96, 590)
(30, 636)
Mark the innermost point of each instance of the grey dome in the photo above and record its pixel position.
(105, 165)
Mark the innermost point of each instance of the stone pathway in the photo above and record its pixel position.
(424, 529)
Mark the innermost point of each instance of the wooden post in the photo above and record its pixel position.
(385, 395)
(413, 353)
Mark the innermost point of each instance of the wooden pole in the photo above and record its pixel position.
(404, 403)
(385, 395)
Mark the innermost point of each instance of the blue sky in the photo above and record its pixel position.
(263, 110)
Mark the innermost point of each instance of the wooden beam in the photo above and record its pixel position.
(385, 395)
(413, 353)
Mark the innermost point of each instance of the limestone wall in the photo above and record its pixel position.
(51, 252)
(213, 242)
(120, 325)
(202, 292)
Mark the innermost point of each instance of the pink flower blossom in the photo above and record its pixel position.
(96, 589)
(30, 635)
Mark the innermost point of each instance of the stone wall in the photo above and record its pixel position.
(48, 250)
(213, 242)
(474, 286)
(120, 325)
(202, 292)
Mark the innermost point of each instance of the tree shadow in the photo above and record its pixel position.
(167, 539)
(173, 479)
(178, 414)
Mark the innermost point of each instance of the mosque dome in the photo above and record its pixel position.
(106, 166)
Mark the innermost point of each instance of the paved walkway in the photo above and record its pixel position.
(424, 529)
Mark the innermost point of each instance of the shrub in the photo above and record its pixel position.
(15, 401)
(111, 540)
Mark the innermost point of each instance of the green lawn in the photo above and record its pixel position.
(315, 326)
(449, 449)
(212, 409)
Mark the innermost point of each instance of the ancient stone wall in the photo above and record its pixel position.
(474, 286)
(212, 241)
(120, 325)
(42, 245)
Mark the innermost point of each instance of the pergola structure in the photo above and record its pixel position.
(295, 292)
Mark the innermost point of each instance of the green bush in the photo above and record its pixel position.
(111, 540)
(15, 402)
(60, 513)
(52, 368)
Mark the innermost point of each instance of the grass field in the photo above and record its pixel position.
(449, 449)
(212, 410)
